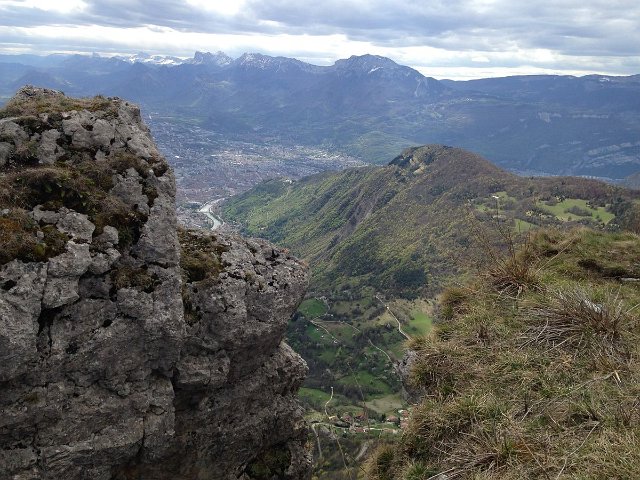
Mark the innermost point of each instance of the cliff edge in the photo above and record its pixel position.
(130, 348)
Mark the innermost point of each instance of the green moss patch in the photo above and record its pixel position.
(201, 255)
(19, 239)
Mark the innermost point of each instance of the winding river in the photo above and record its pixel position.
(207, 210)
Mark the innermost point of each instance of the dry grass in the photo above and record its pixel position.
(19, 239)
(381, 463)
(573, 317)
(513, 266)
(437, 370)
(513, 274)
(563, 403)
(84, 187)
(134, 277)
(452, 301)
(17, 107)
(490, 451)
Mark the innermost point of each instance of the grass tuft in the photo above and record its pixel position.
(575, 318)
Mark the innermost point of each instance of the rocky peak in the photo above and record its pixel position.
(220, 59)
(366, 62)
(258, 61)
(378, 69)
(416, 158)
(127, 350)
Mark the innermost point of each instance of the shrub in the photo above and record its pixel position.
(19, 239)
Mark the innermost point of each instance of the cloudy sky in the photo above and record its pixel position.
(441, 38)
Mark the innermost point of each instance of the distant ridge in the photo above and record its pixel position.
(407, 227)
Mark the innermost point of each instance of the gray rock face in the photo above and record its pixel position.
(102, 373)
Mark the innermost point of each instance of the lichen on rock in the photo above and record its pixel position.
(119, 359)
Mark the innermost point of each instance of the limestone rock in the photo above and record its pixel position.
(49, 151)
(44, 216)
(76, 225)
(102, 375)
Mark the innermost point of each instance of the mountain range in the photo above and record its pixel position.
(368, 106)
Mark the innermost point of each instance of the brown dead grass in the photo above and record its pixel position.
(543, 384)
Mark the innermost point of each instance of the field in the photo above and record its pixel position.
(351, 345)
(364, 379)
(420, 324)
(562, 210)
(522, 226)
(387, 404)
(312, 308)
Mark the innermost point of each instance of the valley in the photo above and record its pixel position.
(210, 166)
(384, 228)
(353, 390)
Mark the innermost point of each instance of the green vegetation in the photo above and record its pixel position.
(574, 208)
(386, 404)
(314, 396)
(404, 229)
(366, 381)
(351, 348)
(377, 146)
(420, 324)
(402, 232)
(539, 381)
(522, 226)
(312, 308)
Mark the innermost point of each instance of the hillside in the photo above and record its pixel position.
(531, 370)
(407, 227)
(367, 106)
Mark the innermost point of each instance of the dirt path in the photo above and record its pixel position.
(395, 318)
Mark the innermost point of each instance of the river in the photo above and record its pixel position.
(207, 209)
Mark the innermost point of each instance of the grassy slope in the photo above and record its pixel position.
(544, 384)
(405, 227)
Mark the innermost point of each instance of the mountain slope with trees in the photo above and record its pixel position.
(407, 227)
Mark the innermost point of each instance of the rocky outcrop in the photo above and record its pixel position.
(120, 358)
